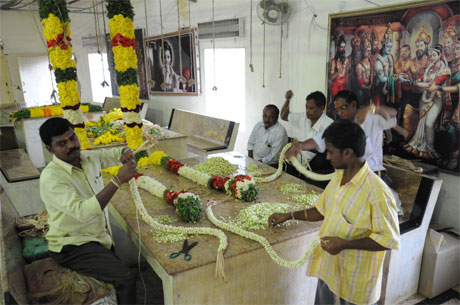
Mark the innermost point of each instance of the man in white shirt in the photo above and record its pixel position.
(267, 138)
(306, 125)
(373, 119)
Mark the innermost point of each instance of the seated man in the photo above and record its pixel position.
(71, 186)
(306, 125)
(360, 223)
(373, 119)
(267, 138)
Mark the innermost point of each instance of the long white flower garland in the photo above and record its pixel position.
(298, 167)
(263, 241)
(280, 167)
(172, 229)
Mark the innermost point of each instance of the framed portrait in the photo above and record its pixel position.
(171, 63)
(405, 56)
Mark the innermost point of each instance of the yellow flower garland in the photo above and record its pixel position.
(61, 59)
(68, 93)
(133, 137)
(84, 141)
(131, 96)
(125, 58)
(121, 25)
(52, 27)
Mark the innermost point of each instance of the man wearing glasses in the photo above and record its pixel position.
(373, 119)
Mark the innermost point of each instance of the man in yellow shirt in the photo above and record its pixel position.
(360, 222)
(71, 186)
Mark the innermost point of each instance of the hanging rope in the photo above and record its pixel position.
(98, 34)
(263, 65)
(104, 83)
(50, 67)
(182, 79)
(281, 37)
(163, 85)
(191, 81)
(150, 81)
(214, 47)
(251, 66)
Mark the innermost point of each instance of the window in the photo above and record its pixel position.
(37, 84)
(229, 100)
(98, 71)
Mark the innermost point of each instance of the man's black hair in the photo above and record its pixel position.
(274, 108)
(54, 127)
(318, 97)
(348, 96)
(346, 133)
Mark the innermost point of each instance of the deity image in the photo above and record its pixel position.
(430, 105)
(384, 62)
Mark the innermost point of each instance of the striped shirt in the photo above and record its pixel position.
(363, 207)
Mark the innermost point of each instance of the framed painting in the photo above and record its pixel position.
(405, 56)
(171, 62)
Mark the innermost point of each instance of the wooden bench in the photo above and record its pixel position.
(206, 135)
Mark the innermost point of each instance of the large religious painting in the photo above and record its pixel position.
(405, 56)
(172, 63)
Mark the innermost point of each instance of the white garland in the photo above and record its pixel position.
(152, 186)
(132, 117)
(187, 230)
(309, 174)
(263, 241)
(280, 167)
(73, 116)
(194, 175)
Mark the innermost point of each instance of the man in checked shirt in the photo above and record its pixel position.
(360, 222)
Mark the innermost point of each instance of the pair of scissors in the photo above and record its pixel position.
(185, 249)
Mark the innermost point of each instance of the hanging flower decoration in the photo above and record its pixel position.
(264, 242)
(56, 29)
(184, 230)
(120, 14)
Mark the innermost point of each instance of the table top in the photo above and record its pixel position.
(205, 252)
(17, 166)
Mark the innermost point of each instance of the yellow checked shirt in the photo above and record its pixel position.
(69, 194)
(363, 207)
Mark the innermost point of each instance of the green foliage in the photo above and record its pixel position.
(56, 7)
(164, 162)
(141, 154)
(65, 75)
(189, 209)
(250, 194)
(93, 108)
(20, 114)
(127, 77)
(123, 7)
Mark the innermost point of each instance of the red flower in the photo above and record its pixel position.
(174, 165)
(119, 40)
(218, 183)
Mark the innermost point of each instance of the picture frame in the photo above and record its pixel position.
(178, 76)
(405, 56)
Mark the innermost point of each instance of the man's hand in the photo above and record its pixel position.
(293, 151)
(362, 113)
(333, 245)
(277, 218)
(127, 155)
(127, 171)
(289, 94)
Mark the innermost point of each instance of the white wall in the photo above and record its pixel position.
(304, 61)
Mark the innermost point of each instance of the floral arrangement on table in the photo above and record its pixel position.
(217, 166)
(188, 205)
(56, 29)
(120, 14)
(241, 186)
(182, 230)
(263, 241)
(280, 167)
(48, 111)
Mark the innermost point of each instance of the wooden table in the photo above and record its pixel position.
(252, 276)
